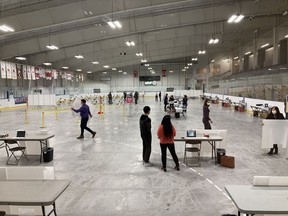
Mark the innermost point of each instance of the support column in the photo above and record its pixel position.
(240, 58)
(275, 45)
(255, 41)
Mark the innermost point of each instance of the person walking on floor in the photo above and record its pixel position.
(156, 97)
(85, 114)
(160, 96)
(166, 133)
(274, 114)
(136, 96)
(206, 118)
(165, 102)
(145, 131)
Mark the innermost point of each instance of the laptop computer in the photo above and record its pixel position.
(21, 133)
(191, 133)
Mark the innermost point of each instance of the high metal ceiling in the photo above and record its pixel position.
(163, 30)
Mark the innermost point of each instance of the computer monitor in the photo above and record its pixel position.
(21, 133)
(191, 133)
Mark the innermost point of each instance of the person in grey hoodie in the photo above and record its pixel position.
(145, 131)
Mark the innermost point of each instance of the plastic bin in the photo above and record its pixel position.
(48, 154)
(220, 152)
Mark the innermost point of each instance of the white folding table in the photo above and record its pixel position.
(212, 139)
(32, 193)
(42, 138)
(252, 200)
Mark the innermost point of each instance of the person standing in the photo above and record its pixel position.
(160, 96)
(166, 133)
(165, 102)
(85, 114)
(124, 96)
(136, 95)
(110, 98)
(206, 118)
(156, 97)
(274, 114)
(145, 131)
(185, 102)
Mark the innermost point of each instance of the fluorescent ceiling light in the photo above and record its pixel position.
(125, 73)
(265, 45)
(232, 18)
(20, 58)
(150, 68)
(236, 57)
(47, 63)
(194, 59)
(147, 65)
(183, 69)
(212, 60)
(79, 70)
(114, 69)
(190, 64)
(235, 18)
(239, 18)
(106, 66)
(186, 67)
(211, 41)
(95, 62)
(247, 53)
(89, 72)
(171, 71)
(112, 25)
(139, 54)
(6, 28)
(115, 24)
(286, 36)
(79, 56)
(153, 72)
(118, 24)
(104, 72)
(52, 47)
(65, 67)
(120, 71)
(144, 60)
(130, 43)
(201, 52)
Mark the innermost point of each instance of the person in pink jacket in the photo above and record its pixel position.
(166, 133)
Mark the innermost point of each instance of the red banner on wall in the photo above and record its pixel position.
(135, 74)
(163, 72)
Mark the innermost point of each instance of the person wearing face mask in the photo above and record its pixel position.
(274, 114)
(206, 119)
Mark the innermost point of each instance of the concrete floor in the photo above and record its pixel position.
(107, 174)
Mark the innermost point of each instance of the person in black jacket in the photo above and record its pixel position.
(206, 119)
(185, 102)
(165, 102)
(274, 114)
(145, 131)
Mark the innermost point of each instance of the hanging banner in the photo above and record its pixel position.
(24, 68)
(8, 70)
(41, 73)
(37, 73)
(32, 71)
(48, 75)
(69, 76)
(63, 75)
(54, 74)
(163, 72)
(29, 72)
(135, 74)
(19, 71)
(3, 70)
(14, 72)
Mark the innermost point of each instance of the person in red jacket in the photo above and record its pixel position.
(166, 133)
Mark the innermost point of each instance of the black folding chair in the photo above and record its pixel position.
(13, 146)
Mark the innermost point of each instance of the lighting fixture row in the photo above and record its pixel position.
(130, 43)
(202, 52)
(6, 28)
(213, 41)
(235, 18)
(115, 24)
(194, 59)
